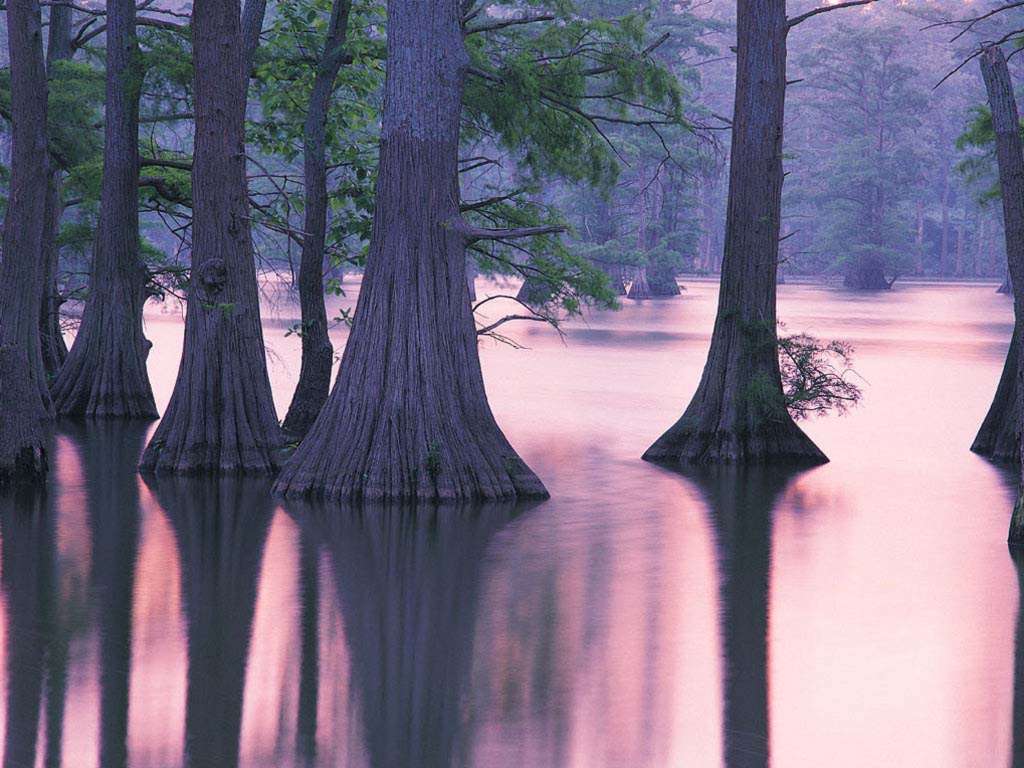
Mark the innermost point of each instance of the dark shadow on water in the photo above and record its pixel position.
(221, 527)
(407, 581)
(28, 546)
(109, 453)
(741, 504)
(1017, 749)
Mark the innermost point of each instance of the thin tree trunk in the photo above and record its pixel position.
(408, 416)
(1010, 159)
(252, 26)
(738, 414)
(54, 349)
(22, 375)
(105, 374)
(221, 415)
(317, 352)
(944, 241)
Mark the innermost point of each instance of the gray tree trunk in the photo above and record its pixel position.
(1010, 159)
(105, 373)
(22, 375)
(639, 289)
(738, 414)
(408, 415)
(54, 350)
(317, 353)
(221, 415)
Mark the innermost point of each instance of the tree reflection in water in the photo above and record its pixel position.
(221, 529)
(408, 586)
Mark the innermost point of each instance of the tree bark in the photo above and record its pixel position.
(1010, 159)
(22, 375)
(738, 414)
(317, 353)
(408, 416)
(998, 438)
(221, 415)
(54, 349)
(662, 282)
(639, 289)
(105, 373)
(867, 274)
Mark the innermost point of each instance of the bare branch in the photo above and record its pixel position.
(790, 23)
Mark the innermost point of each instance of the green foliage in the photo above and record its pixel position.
(816, 376)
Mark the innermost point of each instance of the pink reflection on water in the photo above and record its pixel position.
(601, 618)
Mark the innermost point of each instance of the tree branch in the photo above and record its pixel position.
(473, 234)
(493, 26)
(790, 23)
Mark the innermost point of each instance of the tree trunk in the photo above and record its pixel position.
(738, 413)
(1007, 287)
(639, 289)
(1010, 159)
(1017, 730)
(221, 415)
(317, 352)
(944, 241)
(408, 416)
(662, 282)
(22, 375)
(534, 292)
(867, 274)
(105, 374)
(54, 349)
(999, 436)
(252, 26)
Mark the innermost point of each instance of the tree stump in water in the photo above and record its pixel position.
(22, 450)
(534, 292)
(867, 275)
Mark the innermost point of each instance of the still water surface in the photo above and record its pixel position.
(864, 613)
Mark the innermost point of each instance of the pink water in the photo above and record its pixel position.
(863, 613)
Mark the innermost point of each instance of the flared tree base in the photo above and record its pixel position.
(473, 472)
(22, 440)
(1016, 536)
(779, 443)
(998, 438)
